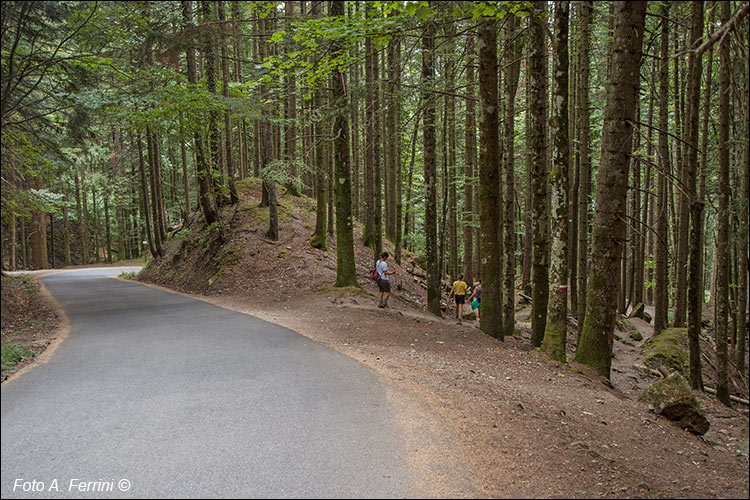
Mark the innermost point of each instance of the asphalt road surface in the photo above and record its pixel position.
(158, 395)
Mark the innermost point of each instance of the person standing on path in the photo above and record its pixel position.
(476, 295)
(459, 290)
(383, 284)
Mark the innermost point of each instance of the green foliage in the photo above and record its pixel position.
(128, 275)
(14, 354)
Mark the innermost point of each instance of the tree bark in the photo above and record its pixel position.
(490, 208)
(539, 172)
(595, 346)
(82, 229)
(661, 284)
(430, 170)
(228, 156)
(144, 199)
(584, 180)
(470, 154)
(555, 333)
(695, 269)
(722, 247)
(205, 197)
(345, 270)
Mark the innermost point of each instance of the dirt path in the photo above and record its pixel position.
(485, 418)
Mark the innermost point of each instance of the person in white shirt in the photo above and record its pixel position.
(383, 284)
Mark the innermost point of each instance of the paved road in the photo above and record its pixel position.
(185, 399)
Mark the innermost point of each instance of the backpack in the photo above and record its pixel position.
(374, 274)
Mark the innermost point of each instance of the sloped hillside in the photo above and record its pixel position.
(249, 263)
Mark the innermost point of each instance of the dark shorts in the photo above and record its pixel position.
(460, 299)
(384, 285)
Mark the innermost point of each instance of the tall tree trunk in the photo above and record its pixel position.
(647, 222)
(470, 153)
(290, 131)
(39, 240)
(490, 208)
(345, 270)
(574, 105)
(24, 237)
(82, 225)
(154, 173)
(206, 199)
(722, 247)
(595, 346)
(555, 333)
(144, 199)
(233, 196)
(209, 50)
(661, 284)
(66, 239)
(354, 110)
(539, 172)
(394, 109)
(368, 234)
(390, 140)
(682, 202)
(450, 128)
(584, 180)
(695, 270)
(742, 242)
(13, 230)
(107, 227)
(635, 295)
(430, 168)
(377, 198)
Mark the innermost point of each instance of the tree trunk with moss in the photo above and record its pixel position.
(490, 208)
(557, 316)
(584, 180)
(346, 274)
(595, 346)
(539, 172)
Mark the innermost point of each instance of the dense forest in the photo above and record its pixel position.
(590, 155)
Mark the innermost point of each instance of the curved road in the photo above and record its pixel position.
(181, 398)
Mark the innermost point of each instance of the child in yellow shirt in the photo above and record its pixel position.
(459, 291)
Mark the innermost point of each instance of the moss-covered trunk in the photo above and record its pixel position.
(584, 180)
(557, 316)
(595, 346)
(345, 270)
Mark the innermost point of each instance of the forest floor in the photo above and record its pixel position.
(481, 417)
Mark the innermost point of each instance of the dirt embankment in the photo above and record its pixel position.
(32, 324)
(480, 417)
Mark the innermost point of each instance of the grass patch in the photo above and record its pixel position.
(14, 354)
(128, 275)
